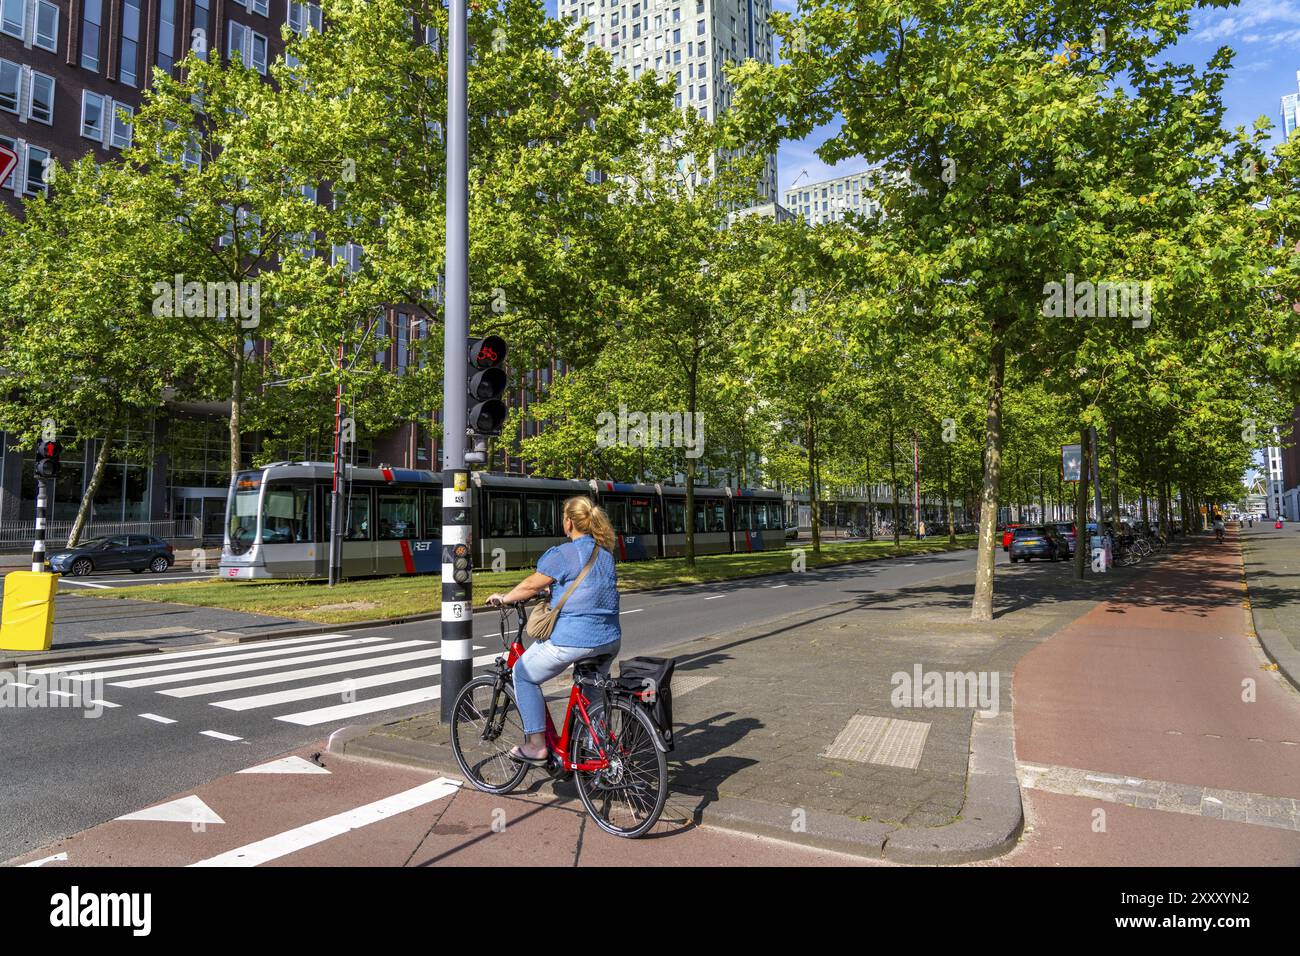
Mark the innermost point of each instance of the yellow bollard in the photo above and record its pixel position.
(27, 619)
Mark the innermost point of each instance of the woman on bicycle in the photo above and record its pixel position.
(587, 626)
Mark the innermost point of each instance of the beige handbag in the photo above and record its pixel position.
(542, 621)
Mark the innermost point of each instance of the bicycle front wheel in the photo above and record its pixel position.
(626, 798)
(481, 738)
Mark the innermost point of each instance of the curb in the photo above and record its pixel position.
(1276, 646)
(989, 825)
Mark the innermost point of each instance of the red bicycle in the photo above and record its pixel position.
(610, 746)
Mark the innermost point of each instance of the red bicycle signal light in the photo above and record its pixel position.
(47, 458)
(487, 382)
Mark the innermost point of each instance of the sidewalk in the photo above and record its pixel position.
(787, 729)
(1272, 567)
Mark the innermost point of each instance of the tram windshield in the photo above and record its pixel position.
(241, 511)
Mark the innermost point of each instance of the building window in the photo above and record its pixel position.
(128, 73)
(13, 17)
(677, 35)
(92, 116)
(10, 85)
(92, 17)
(47, 26)
(699, 28)
(121, 135)
(304, 17)
(42, 105)
(166, 34)
(36, 159)
(249, 44)
(257, 6)
(202, 22)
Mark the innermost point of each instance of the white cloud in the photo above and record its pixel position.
(1254, 21)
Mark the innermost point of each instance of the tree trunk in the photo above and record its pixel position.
(982, 603)
(1114, 480)
(1082, 542)
(893, 478)
(947, 493)
(92, 489)
(814, 496)
(871, 504)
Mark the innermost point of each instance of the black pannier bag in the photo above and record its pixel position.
(650, 679)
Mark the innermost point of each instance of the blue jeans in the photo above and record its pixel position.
(539, 664)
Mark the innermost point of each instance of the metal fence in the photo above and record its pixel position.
(17, 535)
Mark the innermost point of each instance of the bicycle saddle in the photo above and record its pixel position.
(592, 666)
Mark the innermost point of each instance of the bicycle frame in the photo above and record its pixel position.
(558, 743)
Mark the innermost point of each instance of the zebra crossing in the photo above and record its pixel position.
(304, 681)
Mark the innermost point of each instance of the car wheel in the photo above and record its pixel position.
(81, 567)
(137, 570)
(159, 564)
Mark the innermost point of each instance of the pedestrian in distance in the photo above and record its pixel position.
(920, 529)
(587, 625)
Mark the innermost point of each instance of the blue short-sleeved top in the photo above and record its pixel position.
(590, 615)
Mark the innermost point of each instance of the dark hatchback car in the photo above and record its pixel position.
(1037, 541)
(120, 552)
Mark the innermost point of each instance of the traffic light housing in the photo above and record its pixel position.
(487, 385)
(47, 458)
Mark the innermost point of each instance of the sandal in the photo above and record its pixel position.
(519, 757)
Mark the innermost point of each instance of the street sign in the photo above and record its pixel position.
(8, 160)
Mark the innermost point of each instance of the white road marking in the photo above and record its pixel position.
(184, 810)
(715, 597)
(635, 610)
(292, 764)
(310, 718)
(86, 584)
(280, 677)
(248, 655)
(104, 703)
(61, 693)
(175, 655)
(57, 858)
(291, 841)
(219, 735)
(333, 688)
(256, 666)
(161, 720)
(775, 586)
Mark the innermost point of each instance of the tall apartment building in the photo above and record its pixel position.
(1290, 104)
(685, 41)
(829, 199)
(71, 74)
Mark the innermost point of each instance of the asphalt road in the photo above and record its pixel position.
(215, 710)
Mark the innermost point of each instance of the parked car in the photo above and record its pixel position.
(792, 532)
(1068, 535)
(122, 552)
(1038, 541)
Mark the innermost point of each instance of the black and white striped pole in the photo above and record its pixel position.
(457, 597)
(38, 546)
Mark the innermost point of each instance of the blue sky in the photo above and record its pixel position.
(1265, 34)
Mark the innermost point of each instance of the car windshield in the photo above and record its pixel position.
(94, 542)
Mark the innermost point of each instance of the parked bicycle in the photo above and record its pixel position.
(611, 745)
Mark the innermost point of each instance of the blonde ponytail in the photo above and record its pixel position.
(587, 518)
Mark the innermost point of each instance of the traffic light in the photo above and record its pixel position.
(460, 564)
(47, 458)
(487, 385)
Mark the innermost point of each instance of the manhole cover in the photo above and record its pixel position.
(881, 740)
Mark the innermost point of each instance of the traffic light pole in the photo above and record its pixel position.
(38, 546)
(457, 597)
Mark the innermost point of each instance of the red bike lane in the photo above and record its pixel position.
(1153, 731)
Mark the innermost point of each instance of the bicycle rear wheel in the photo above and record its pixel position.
(482, 751)
(626, 798)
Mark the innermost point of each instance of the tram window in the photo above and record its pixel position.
(776, 516)
(243, 520)
(287, 517)
(717, 512)
(617, 511)
(397, 511)
(742, 510)
(640, 516)
(676, 517)
(504, 521)
(541, 517)
(433, 514)
(359, 516)
(700, 524)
